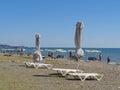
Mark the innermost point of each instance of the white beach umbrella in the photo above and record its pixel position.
(78, 40)
(7, 50)
(61, 50)
(71, 50)
(21, 50)
(94, 51)
(50, 50)
(37, 54)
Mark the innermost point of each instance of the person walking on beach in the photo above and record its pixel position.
(108, 59)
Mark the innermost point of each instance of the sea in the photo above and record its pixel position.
(113, 53)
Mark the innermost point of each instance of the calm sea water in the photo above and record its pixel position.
(113, 53)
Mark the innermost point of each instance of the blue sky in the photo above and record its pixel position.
(55, 21)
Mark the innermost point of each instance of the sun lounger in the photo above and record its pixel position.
(64, 72)
(84, 76)
(30, 64)
(38, 65)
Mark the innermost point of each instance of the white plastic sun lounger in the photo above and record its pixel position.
(38, 65)
(64, 72)
(84, 76)
(30, 64)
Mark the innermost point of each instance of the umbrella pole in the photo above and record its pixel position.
(78, 60)
(77, 64)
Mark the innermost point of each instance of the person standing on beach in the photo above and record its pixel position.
(100, 57)
(70, 54)
(108, 59)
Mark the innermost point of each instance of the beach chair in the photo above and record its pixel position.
(30, 64)
(84, 76)
(38, 65)
(64, 72)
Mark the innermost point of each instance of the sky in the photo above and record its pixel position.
(55, 21)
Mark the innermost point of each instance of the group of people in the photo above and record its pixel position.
(50, 54)
(100, 58)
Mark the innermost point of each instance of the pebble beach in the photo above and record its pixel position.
(15, 76)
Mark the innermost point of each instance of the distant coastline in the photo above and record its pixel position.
(15, 46)
(10, 46)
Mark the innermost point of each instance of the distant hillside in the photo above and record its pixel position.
(9, 46)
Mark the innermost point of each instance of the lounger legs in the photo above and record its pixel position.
(84, 77)
(38, 65)
(46, 66)
(96, 77)
(63, 73)
(99, 77)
